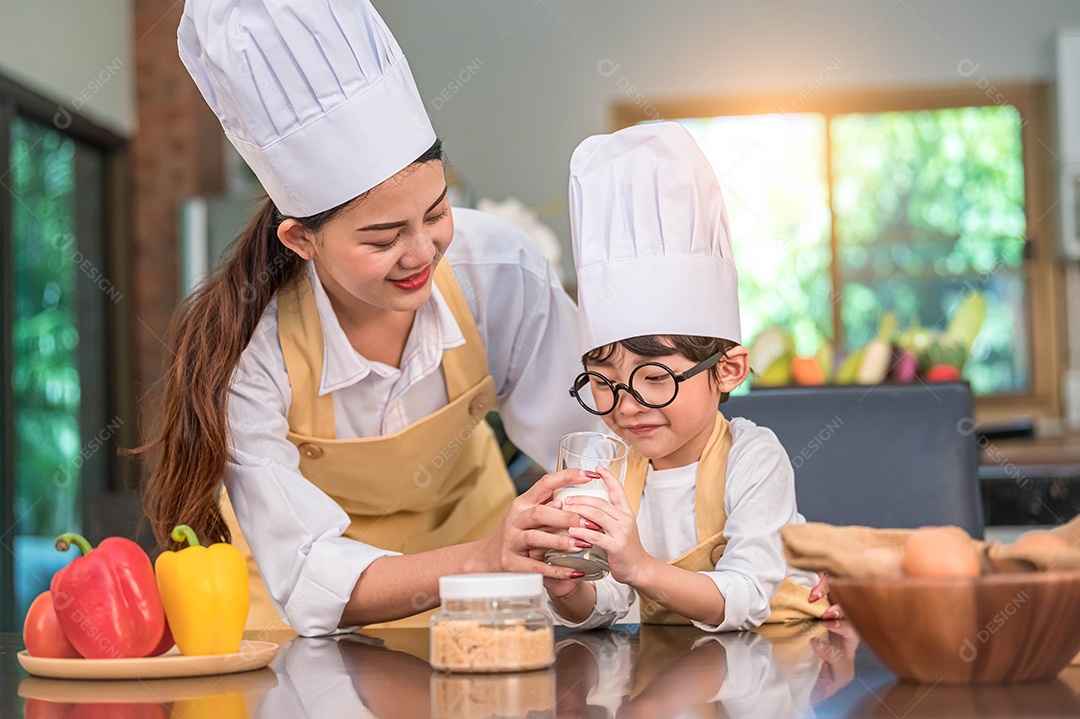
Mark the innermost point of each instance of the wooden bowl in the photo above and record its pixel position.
(1053, 698)
(992, 629)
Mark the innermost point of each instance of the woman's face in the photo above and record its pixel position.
(672, 436)
(381, 252)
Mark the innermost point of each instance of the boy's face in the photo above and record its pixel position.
(675, 435)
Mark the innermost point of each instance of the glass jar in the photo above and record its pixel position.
(492, 623)
(520, 695)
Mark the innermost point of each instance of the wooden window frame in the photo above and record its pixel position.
(118, 474)
(1043, 271)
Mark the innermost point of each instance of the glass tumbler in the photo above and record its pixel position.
(588, 450)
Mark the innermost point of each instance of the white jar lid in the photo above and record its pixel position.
(491, 586)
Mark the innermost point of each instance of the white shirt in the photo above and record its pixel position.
(758, 684)
(614, 657)
(313, 681)
(759, 498)
(529, 328)
(755, 683)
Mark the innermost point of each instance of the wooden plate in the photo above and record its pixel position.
(150, 691)
(252, 655)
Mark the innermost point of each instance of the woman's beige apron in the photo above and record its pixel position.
(791, 603)
(438, 482)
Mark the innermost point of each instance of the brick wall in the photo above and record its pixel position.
(176, 153)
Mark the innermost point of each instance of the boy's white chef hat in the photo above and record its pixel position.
(316, 96)
(650, 234)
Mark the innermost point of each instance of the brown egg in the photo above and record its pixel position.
(1040, 541)
(939, 552)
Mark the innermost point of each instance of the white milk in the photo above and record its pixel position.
(589, 489)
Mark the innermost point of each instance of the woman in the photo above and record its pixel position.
(335, 372)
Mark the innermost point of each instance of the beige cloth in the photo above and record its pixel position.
(438, 482)
(847, 551)
(864, 552)
(1008, 557)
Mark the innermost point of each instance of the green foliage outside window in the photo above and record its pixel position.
(930, 206)
(46, 375)
(927, 207)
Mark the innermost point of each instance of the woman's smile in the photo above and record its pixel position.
(414, 281)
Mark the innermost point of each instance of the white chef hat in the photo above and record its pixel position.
(316, 96)
(650, 234)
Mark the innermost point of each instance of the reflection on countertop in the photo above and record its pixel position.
(815, 669)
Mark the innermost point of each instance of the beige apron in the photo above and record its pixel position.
(438, 482)
(791, 603)
(659, 650)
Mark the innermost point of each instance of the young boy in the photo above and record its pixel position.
(695, 532)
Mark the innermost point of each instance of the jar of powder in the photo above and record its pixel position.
(492, 623)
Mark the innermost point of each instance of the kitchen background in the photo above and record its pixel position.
(886, 156)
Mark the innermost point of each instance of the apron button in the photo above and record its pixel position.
(311, 451)
(478, 406)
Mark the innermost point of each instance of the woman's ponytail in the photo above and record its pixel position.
(209, 331)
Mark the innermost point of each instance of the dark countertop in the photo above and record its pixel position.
(808, 670)
(1036, 457)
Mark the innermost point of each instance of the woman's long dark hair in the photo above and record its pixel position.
(208, 333)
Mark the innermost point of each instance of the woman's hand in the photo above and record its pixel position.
(821, 589)
(561, 588)
(611, 526)
(520, 541)
(556, 588)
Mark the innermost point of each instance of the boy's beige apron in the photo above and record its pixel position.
(791, 603)
(438, 482)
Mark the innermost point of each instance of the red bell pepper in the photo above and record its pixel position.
(42, 634)
(41, 709)
(107, 600)
(167, 642)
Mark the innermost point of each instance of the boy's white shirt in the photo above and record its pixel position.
(756, 685)
(759, 498)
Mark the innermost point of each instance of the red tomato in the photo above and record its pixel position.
(41, 709)
(119, 711)
(42, 633)
(943, 373)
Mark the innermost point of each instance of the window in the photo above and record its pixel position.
(903, 203)
(58, 300)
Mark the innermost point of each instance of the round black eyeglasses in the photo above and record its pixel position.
(651, 384)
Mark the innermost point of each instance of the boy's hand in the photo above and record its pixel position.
(618, 533)
(821, 589)
(837, 652)
(561, 588)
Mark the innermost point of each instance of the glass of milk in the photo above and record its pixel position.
(588, 450)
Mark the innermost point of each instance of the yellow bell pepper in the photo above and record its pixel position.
(212, 706)
(205, 594)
